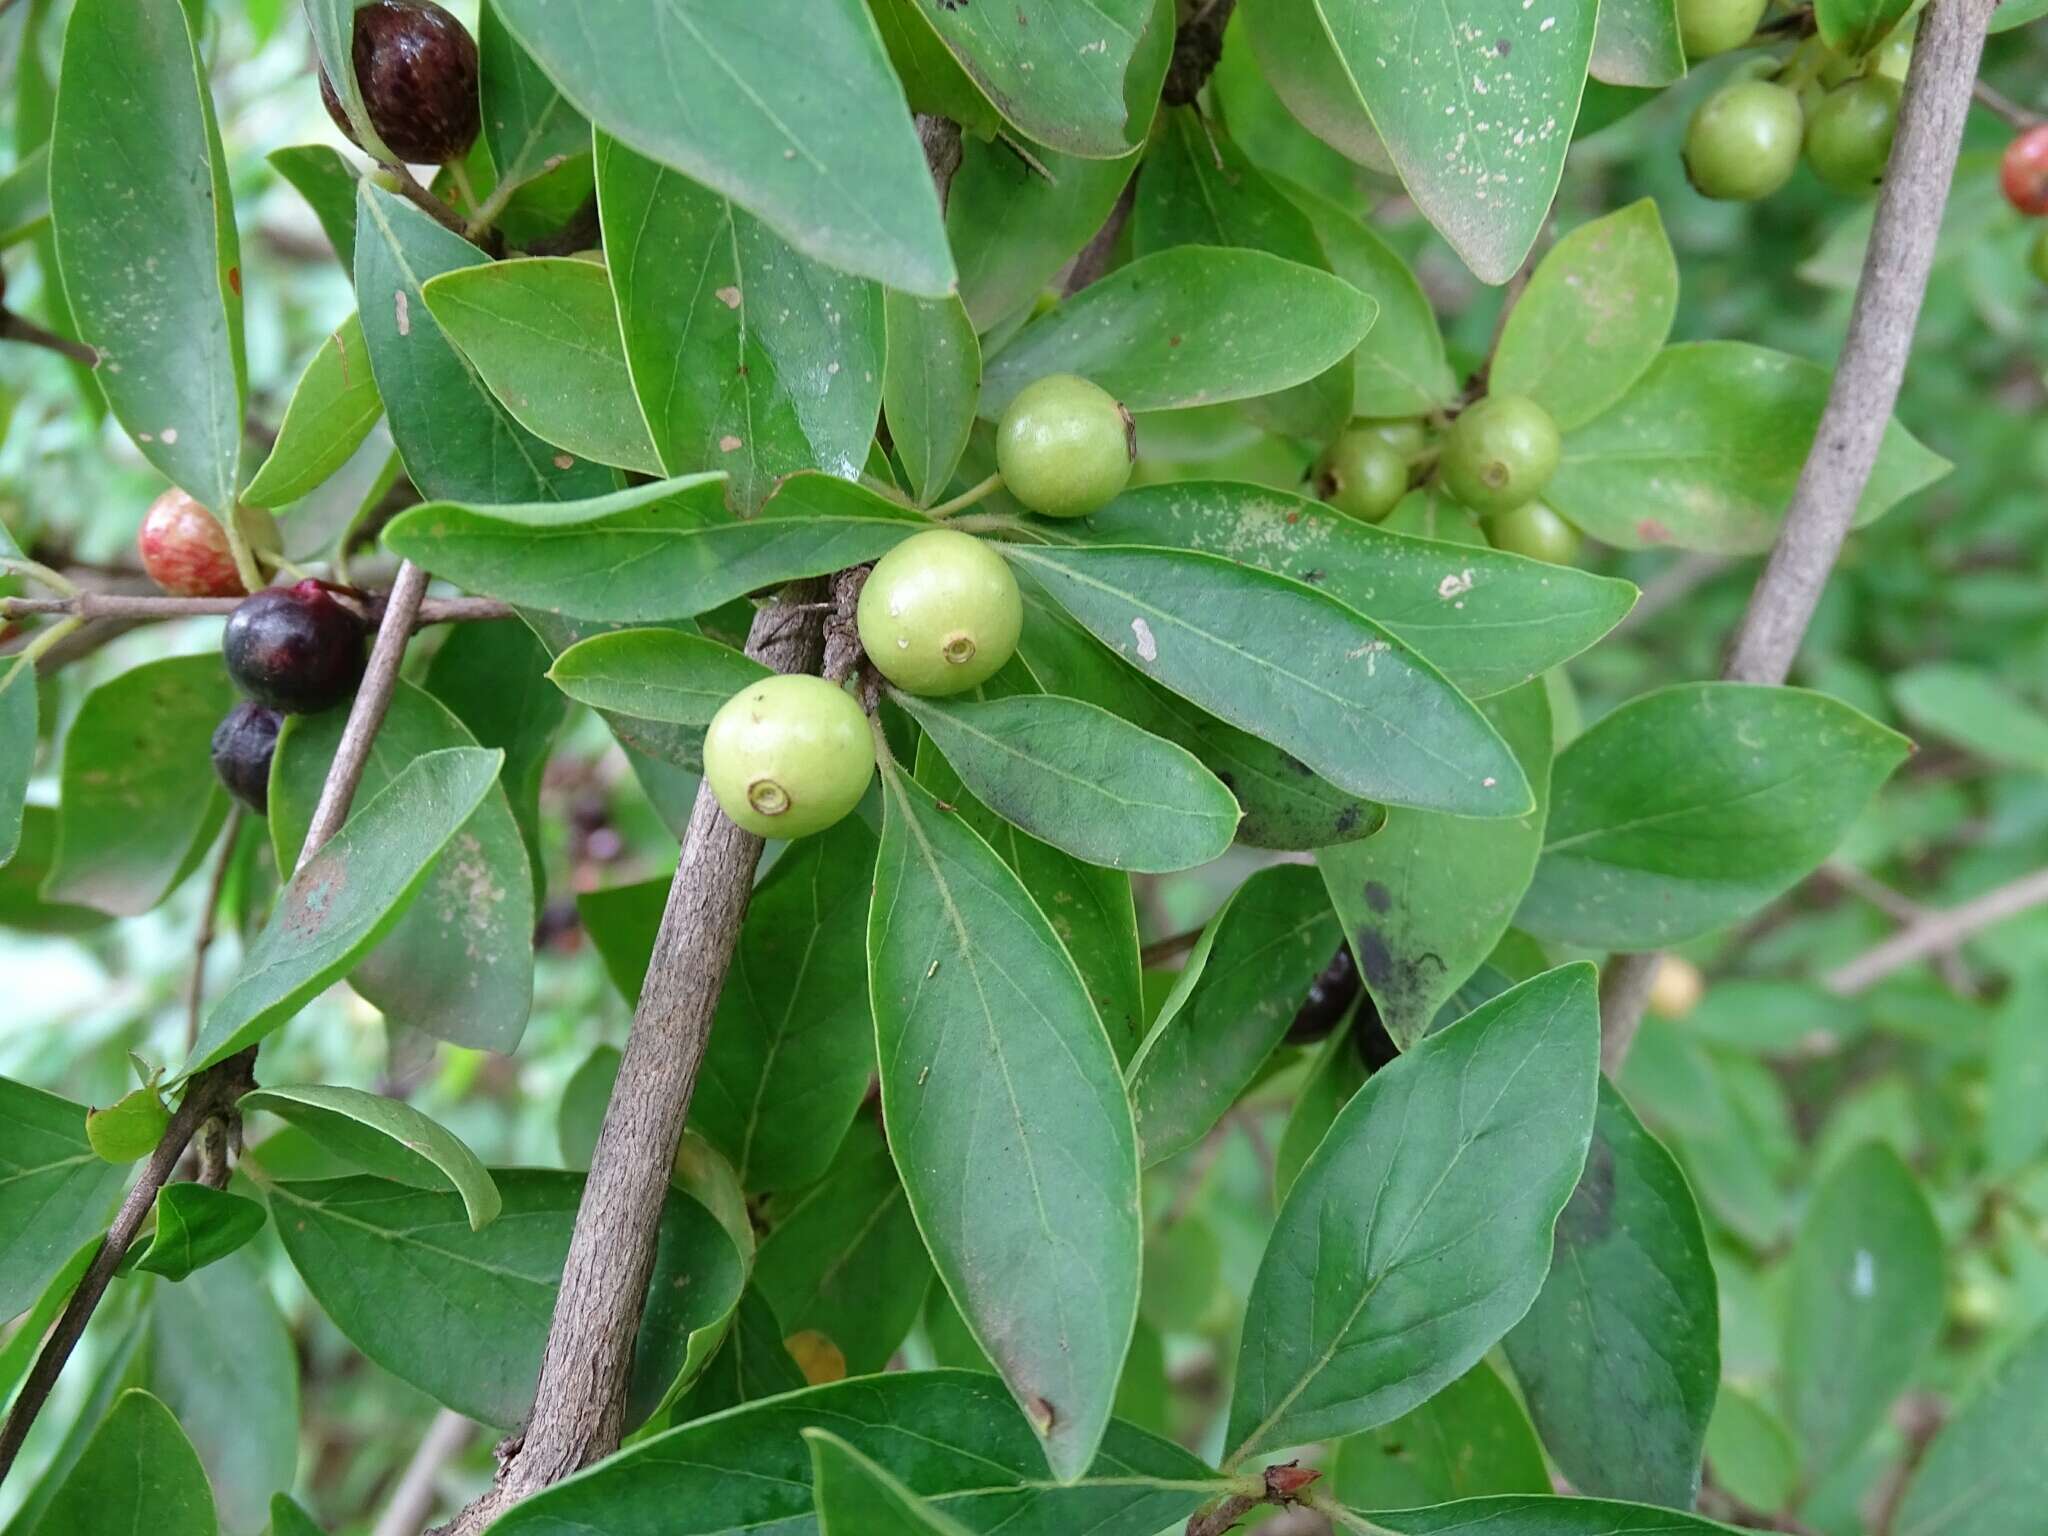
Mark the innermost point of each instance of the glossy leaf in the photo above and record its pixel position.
(654, 674)
(932, 78)
(843, 1258)
(458, 963)
(1863, 1306)
(384, 1136)
(751, 1363)
(1297, 55)
(1852, 28)
(327, 182)
(1178, 328)
(348, 896)
(17, 748)
(1013, 229)
(1488, 621)
(747, 355)
(476, 1320)
(196, 1225)
(1425, 899)
(1637, 43)
(855, 1497)
(544, 336)
(1364, 1309)
(332, 409)
(1976, 1479)
(929, 388)
(1526, 1515)
(1238, 992)
(1704, 449)
(661, 551)
(526, 122)
(139, 803)
(150, 261)
(454, 436)
(1692, 806)
(1292, 665)
(55, 1192)
(1593, 317)
(1620, 1356)
(138, 1474)
(836, 173)
(1056, 75)
(1007, 1117)
(953, 1437)
(1084, 780)
(1470, 1440)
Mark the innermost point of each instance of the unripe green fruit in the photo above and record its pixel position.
(1536, 531)
(1404, 434)
(1065, 446)
(1743, 142)
(129, 1128)
(940, 613)
(1362, 474)
(1893, 56)
(2037, 256)
(789, 755)
(1708, 27)
(1500, 453)
(1849, 136)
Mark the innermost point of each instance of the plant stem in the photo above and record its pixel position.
(1938, 932)
(968, 497)
(41, 574)
(366, 714)
(29, 654)
(14, 327)
(138, 608)
(410, 189)
(195, 989)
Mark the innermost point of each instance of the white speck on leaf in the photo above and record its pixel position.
(729, 296)
(1455, 585)
(1863, 1277)
(1148, 648)
(728, 443)
(404, 313)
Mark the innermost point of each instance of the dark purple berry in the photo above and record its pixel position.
(243, 744)
(295, 649)
(1329, 995)
(416, 66)
(1376, 1047)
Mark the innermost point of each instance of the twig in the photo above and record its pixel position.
(410, 189)
(1918, 1418)
(1094, 258)
(1999, 105)
(417, 1489)
(1166, 948)
(195, 988)
(121, 605)
(940, 139)
(1197, 48)
(1938, 932)
(1283, 1485)
(1860, 400)
(373, 698)
(14, 327)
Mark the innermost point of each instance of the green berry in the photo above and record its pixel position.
(1708, 27)
(1362, 474)
(1500, 453)
(1065, 446)
(1743, 142)
(2037, 256)
(1893, 55)
(1404, 434)
(1536, 531)
(1849, 136)
(940, 613)
(789, 755)
(129, 1128)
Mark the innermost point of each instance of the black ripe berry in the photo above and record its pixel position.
(294, 649)
(417, 68)
(243, 744)
(1329, 997)
(1376, 1047)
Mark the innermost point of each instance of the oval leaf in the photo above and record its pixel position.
(55, 1191)
(1058, 76)
(1971, 1482)
(930, 387)
(195, 1225)
(332, 409)
(655, 674)
(854, 1497)
(1470, 1440)
(140, 1462)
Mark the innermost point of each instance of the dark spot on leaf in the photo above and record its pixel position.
(1374, 957)
(1297, 765)
(1377, 896)
(1589, 1215)
(1227, 782)
(1501, 46)
(1173, 341)
(1314, 576)
(235, 280)
(1346, 820)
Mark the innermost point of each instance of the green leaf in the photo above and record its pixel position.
(857, 1498)
(387, 1137)
(1013, 229)
(1973, 709)
(661, 551)
(21, 907)
(458, 964)
(55, 1193)
(654, 674)
(1620, 1356)
(1170, 330)
(1400, 368)
(138, 1470)
(1593, 318)
(1522, 1515)
(747, 355)
(1424, 901)
(1475, 108)
(1637, 43)
(932, 78)
(287, 1519)
(150, 261)
(1978, 1478)
(139, 803)
(837, 173)
(347, 897)
(224, 1363)
(1851, 28)
(1292, 665)
(1335, 1072)
(526, 123)
(454, 436)
(1007, 1116)
(475, 1320)
(543, 334)
(1363, 1309)
(953, 1437)
(2016, 1119)
(929, 387)
(1751, 1451)
(25, 197)
(1297, 56)
(332, 409)
(1488, 621)
(1059, 76)
(1082, 779)
(25, 1340)
(1692, 806)
(328, 184)
(1704, 449)
(196, 1225)
(1470, 1440)
(1863, 1306)
(17, 748)
(844, 1258)
(332, 23)
(750, 1364)
(1239, 991)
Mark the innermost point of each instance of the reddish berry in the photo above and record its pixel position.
(2024, 172)
(185, 549)
(1329, 998)
(243, 744)
(294, 649)
(417, 68)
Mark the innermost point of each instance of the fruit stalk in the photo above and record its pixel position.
(136, 607)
